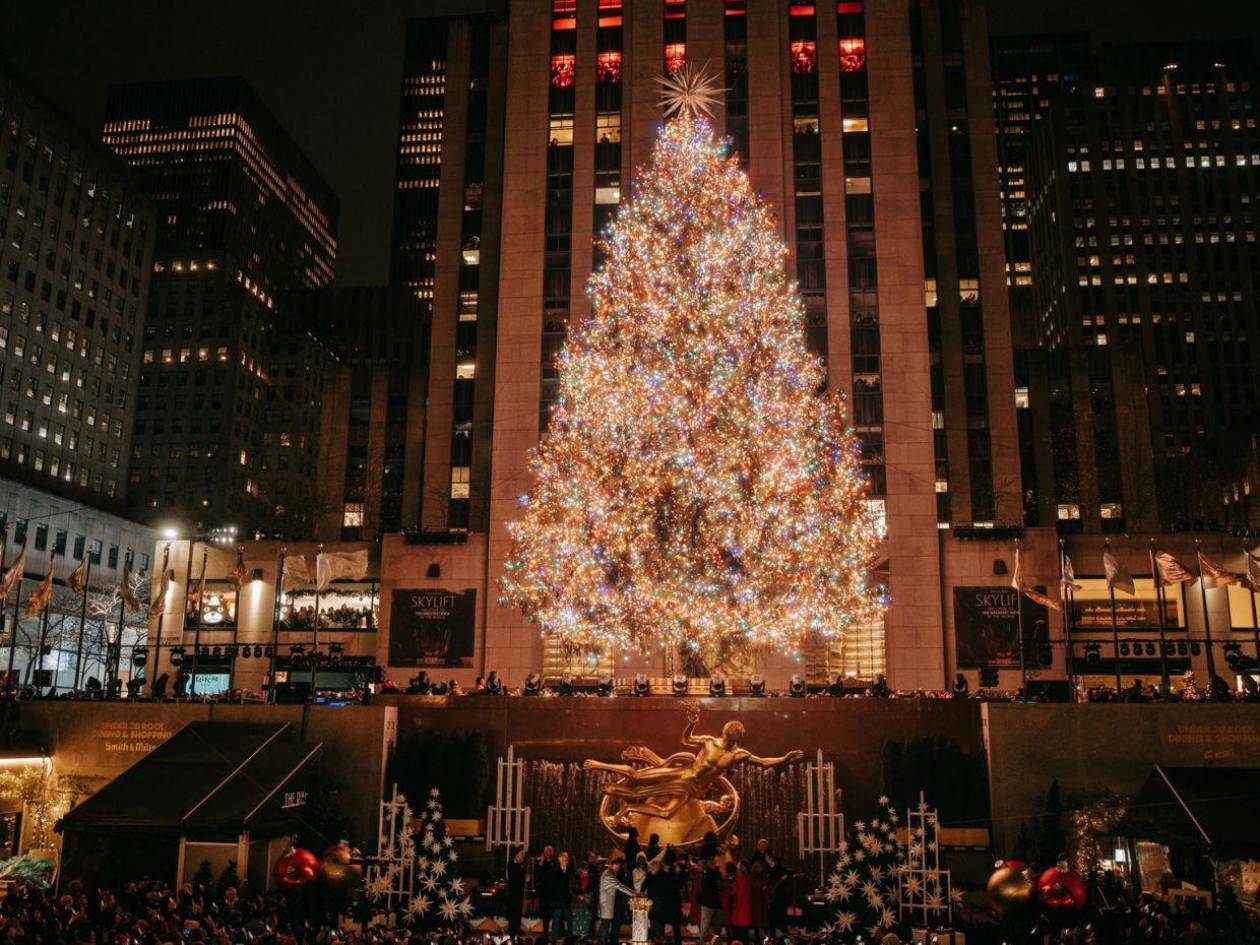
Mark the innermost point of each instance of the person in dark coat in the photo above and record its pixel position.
(542, 880)
(515, 891)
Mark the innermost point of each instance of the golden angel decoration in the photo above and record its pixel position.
(684, 796)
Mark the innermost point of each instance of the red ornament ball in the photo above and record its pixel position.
(296, 868)
(1062, 892)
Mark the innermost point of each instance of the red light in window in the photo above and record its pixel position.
(736, 7)
(852, 55)
(849, 6)
(675, 9)
(804, 55)
(564, 23)
(562, 69)
(610, 4)
(608, 67)
(564, 6)
(675, 56)
(614, 20)
(801, 9)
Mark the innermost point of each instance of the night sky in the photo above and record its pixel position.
(331, 71)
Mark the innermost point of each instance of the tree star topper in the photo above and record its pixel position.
(689, 92)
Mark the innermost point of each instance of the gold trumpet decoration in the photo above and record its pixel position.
(673, 797)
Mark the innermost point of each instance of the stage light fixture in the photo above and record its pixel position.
(566, 686)
(757, 685)
(1124, 649)
(678, 685)
(1150, 649)
(1194, 649)
(533, 685)
(604, 686)
(796, 687)
(1182, 649)
(717, 686)
(641, 685)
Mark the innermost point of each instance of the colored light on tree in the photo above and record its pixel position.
(695, 485)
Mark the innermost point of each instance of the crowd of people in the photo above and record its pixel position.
(592, 898)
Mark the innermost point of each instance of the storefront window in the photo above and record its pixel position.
(217, 611)
(350, 606)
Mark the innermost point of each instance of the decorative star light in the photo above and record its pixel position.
(845, 920)
(689, 92)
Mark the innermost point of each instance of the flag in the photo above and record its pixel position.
(42, 594)
(1067, 576)
(76, 580)
(340, 564)
(124, 587)
(1017, 582)
(159, 602)
(1253, 571)
(1214, 575)
(1170, 571)
(13, 575)
(1118, 576)
(240, 572)
(297, 571)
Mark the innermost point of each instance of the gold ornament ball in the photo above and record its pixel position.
(1010, 890)
(335, 867)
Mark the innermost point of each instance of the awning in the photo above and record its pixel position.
(1215, 808)
(209, 777)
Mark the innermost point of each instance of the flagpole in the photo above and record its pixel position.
(113, 667)
(43, 624)
(17, 600)
(157, 647)
(1251, 592)
(1019, 623)
(201, 595)
(4, 567)
(78, 653)
(1207, 624)
(1115, 630)
(315, 645)
(1158, 580)
(275, 626)
(1067, 620)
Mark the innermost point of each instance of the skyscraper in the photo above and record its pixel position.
(242, 217)
(521, 125)
(1142, 246)
(77, 239)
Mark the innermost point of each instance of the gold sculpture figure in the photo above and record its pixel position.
(671, 797)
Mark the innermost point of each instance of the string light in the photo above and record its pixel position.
(696, 485)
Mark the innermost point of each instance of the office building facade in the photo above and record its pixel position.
(1143, 254)
(521, 125)
(242, 217)
(77, 234)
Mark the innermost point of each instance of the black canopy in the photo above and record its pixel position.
(1215, 808)
(208, 778)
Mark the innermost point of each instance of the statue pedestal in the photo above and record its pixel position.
(639, 906)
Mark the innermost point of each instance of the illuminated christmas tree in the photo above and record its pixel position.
(696, 483)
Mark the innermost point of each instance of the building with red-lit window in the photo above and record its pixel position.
(866, 124)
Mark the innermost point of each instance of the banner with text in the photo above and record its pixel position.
(431, 626)
(986, 627)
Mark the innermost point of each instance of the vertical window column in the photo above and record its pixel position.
(608, 75)
(859, 215)
(735, 30)
(807, 172)
(559, 208)
(675, 35)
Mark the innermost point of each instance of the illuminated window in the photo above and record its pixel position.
(852, 54)
(459, 482)
(804, 56)
(855, 124)
(352, 515)
(675, 56)
(465, 371)
(563, 66)
(1069, 512)
(857, 185)
(1111, 510)
(608, 67)
(561, 130)
(1021, 398)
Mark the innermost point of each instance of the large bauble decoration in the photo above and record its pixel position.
(1010, 887)
(296, 868)
(1062, 892)
(337, 869)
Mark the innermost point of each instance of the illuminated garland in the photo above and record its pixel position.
(693, 486)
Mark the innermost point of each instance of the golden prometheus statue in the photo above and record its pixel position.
(673, 797)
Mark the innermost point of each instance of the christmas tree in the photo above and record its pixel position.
(440, 897)
(863, 884)
(696, 484)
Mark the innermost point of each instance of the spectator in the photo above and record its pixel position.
(516, 890)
